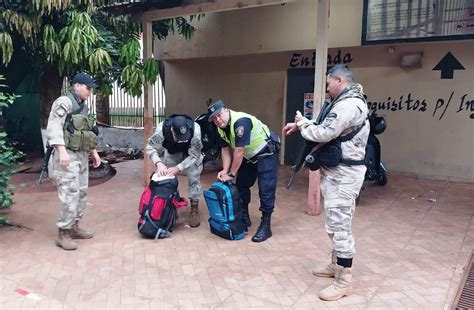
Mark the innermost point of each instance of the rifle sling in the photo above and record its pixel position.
(352, 134)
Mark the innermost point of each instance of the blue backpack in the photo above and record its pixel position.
(225, 211)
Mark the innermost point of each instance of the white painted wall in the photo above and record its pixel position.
(425, 143)
(251, 84)
(252, 79)
(263, 30)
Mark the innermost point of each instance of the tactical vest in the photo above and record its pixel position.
(79, 127)
(258, 134)
(330, 154)
(169, 143)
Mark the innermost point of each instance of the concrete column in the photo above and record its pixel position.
(322, 27)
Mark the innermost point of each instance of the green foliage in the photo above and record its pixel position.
(6, 47)
(76, 35)
(4, 220)
(164, 28)
(150, 69)
(8, 157)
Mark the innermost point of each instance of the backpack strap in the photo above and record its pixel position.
(158, 233)
(162, 232)
(166, 231)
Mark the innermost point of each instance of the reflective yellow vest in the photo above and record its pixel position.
(258, 134)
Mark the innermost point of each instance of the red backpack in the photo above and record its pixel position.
(157, 208)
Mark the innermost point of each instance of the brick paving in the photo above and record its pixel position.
(413, 238)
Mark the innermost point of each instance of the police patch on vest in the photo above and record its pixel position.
(60, 111)
(329, 119)
(239, 131)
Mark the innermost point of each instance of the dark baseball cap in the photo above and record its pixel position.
(214, 109)
(84, 78)
(180, 128)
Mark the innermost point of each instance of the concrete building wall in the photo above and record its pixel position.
(264, 30)
(430, 120)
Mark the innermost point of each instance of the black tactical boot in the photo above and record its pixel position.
(263, 232)
(246, 217)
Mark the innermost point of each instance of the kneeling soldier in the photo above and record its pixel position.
(176, 146)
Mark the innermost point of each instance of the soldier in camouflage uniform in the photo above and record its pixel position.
(176, 146)
(70, 132)
(340, 185)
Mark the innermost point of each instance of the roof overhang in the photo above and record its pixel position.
(193, 7)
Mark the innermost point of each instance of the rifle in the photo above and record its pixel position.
(44, 165)
(300, 159)
(309, 145)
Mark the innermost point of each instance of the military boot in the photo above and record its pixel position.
(246, 217)
(194, 219)
(78, 233)
(328, 271)
(263, 232)
(341, 285)
(64, 240)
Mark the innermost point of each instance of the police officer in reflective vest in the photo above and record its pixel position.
(176, 146)
(72, 133)
(249, 151)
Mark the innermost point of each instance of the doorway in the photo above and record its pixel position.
(300, 81)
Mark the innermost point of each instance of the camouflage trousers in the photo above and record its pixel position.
(339, 205)
(72, 183)
(193, 173)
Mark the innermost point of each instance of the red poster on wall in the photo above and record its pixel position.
(308, 105)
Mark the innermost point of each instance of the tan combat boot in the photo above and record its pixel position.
(64, 240)
(78, 233)
(327, 271)
(341, 285)
(194, 219)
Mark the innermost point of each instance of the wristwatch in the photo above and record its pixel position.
(231, 174)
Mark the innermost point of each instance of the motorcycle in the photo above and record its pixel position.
(209, 138)
(376, 170)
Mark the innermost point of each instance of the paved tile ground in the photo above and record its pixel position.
(411, 252)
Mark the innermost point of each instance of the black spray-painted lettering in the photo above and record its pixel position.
(337, 59)
(439, 107)
(466, 104)
(440, 103)
(299, 60)
(407, 104)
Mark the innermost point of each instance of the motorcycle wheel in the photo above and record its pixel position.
(382, 179)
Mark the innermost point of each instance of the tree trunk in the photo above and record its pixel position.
(102, 109)
(49, 88)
